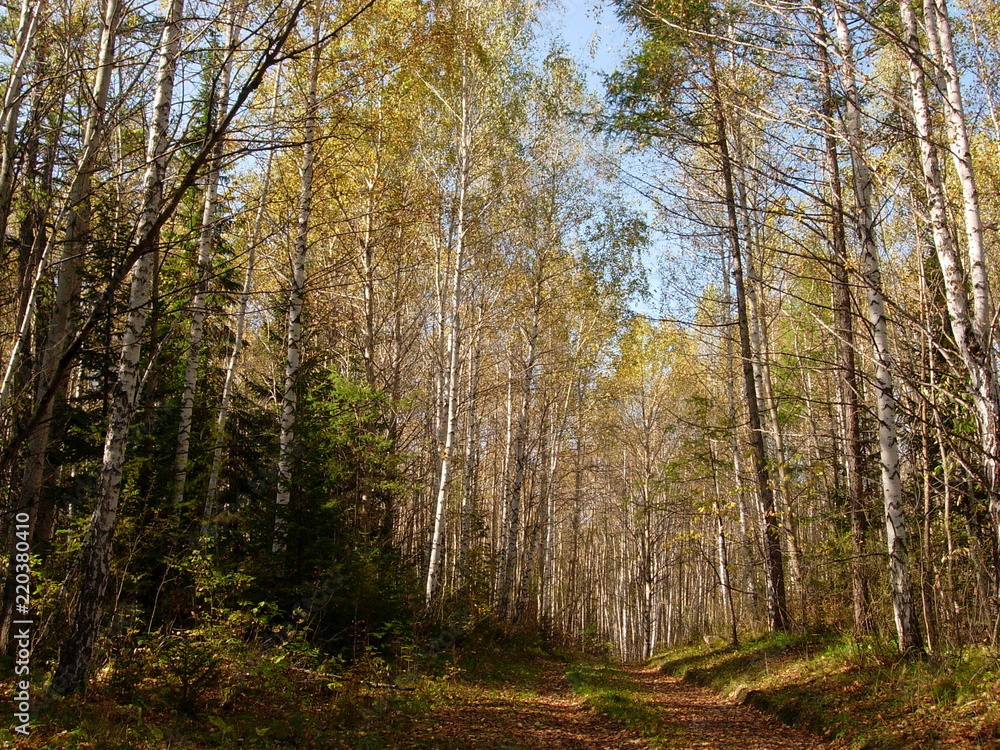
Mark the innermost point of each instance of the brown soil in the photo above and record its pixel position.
(554, 718)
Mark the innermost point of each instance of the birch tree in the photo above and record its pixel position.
(74, 243)
(300, 249)
(77, 652)
(907, 628)
(457, 253)
(976, 353)
(206, 238)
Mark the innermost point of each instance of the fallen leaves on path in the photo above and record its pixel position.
(704, 720)
(554, 718)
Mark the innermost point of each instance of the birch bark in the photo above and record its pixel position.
(844, 325)
(206, 238)
(74, 241)
(76, 653)
(24, 45)
(938, 26)
(907, 628)
(289, 400)
(774, 574)
(451, 379)
(975, 351)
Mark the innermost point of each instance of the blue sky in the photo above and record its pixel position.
(591, 32)
(599, 42)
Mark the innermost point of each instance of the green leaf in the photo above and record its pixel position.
(220, 724)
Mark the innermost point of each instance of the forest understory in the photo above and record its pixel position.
(499, 690)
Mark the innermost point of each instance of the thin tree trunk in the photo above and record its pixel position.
(734, 444)
(293, 359)
(451, 383)
(762, 369)
(722, 551)
(844, 327)
(241, 319)
(907, 627)
(206, 239)
(509, 598)
(78, 649)
(74, 242)
(938, 25)
(23, 47)
(774, 574)
(975, 351)
(470, 484)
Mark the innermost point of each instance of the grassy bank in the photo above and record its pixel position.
(857, 692)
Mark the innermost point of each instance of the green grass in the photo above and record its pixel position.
(614, 695)
(859, 692)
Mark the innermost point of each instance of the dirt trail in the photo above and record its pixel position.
(553, 717)
(704, 720)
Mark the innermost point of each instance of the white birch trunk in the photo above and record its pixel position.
(451, 374)
(74, 240)
(24, 45)
(907, 628)
(199, 311)
(938, 26)
(976, 351)
(293, 359)
(76, 653)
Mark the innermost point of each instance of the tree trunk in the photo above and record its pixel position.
(844, 327)
(520, 449)
(74, 242)
(23, 47)
(78, 649)
(470, 483)
(206, 238)
(293, 358)
(774, 574)
(907, 627)
(938, 25)
(451, 380)
(241, 320)
(975, 351)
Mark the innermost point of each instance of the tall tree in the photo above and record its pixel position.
(907, 627)
(218, 105)
(78, 650)
(300, 249)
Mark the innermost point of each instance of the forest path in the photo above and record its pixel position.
(700, 718)
(610, 709)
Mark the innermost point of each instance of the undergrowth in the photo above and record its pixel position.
(196, 690)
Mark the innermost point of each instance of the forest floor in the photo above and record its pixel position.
(500, 695)
(600, 708)
(861, 694)
(530, 702)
